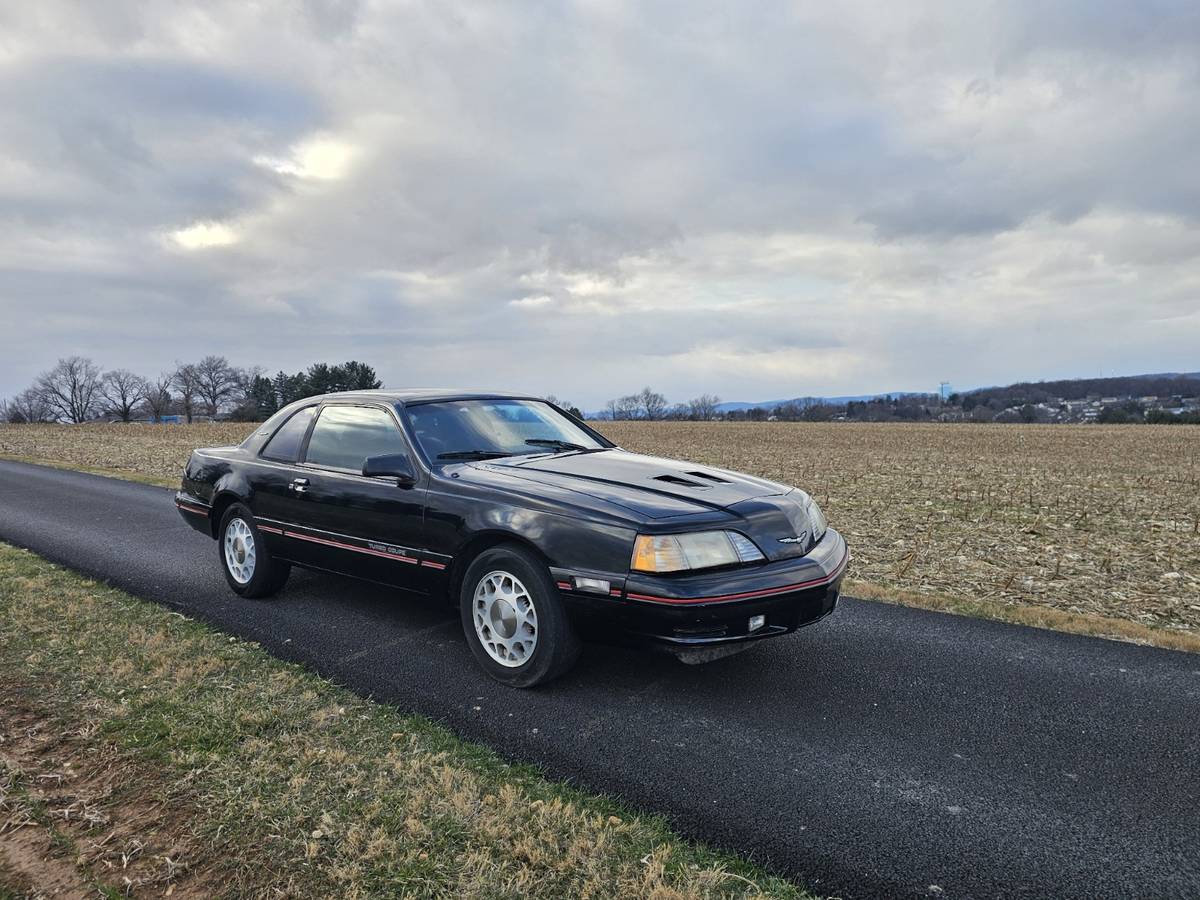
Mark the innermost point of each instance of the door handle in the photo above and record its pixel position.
(299, 485)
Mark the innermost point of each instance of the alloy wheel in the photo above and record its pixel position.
(239, 550)
(505, 618)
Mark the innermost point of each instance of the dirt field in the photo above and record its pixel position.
(1081, 519)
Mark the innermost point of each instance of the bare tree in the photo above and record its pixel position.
(216, 382)
(187, 381)
(626, 407)
(158, 396)
(652, 404)
(704, 407)
(71, 389)
(122, 391)
(790, 411)
(28, 406)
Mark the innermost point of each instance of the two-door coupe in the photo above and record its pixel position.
(536, 525)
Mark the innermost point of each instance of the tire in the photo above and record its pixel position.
(524, 650)
(249, 568)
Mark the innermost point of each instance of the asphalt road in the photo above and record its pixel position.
(883, 752)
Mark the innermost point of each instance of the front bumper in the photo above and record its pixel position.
(697, 615)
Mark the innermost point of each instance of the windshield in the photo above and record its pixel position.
(489, 429)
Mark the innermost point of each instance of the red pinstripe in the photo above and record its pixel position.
(368, 550)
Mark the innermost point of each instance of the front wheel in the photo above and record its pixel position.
(514, 620)
(249, 568)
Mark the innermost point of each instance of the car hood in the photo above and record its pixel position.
(653, 487)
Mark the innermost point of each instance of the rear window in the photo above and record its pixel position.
(285, 445)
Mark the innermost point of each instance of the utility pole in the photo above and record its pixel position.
(943, 390)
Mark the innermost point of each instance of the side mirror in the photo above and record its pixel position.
(395, 465)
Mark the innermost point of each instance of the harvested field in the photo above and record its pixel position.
(153, 453)
(1091, 520)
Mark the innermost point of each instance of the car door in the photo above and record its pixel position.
(275, 475)
(370, 527)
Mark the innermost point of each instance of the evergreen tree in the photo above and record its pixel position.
(263, 399)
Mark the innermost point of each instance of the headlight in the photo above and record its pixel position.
(700, 550)
(816, 518)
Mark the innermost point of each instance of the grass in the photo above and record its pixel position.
(143, 752)
(1093, 529)
(1031, 615)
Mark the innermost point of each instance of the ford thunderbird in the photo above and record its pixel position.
(537, 527)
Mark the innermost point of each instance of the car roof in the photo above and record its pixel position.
(413, 396)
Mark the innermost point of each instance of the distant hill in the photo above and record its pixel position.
(1163, 384)
(736, 406)
(1166, 384)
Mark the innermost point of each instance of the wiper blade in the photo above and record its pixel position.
(556, 444)
(473, 454)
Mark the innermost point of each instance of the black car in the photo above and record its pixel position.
(537, 526)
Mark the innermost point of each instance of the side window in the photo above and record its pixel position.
(285, 445)
(345, 436)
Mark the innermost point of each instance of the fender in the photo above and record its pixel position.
(558, 538)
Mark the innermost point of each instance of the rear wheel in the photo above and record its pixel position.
(249, 568)
(513, 618)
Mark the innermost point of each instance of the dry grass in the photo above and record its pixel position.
(1094, 523)
(154, 454)
(145, 754)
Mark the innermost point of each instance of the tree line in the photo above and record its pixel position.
(76, 390)
(650, 404)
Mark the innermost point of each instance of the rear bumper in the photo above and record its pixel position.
(696, 615)
(195, 512)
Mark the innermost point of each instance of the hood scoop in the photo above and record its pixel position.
(716, 479)
(671, 478)
(684, 482)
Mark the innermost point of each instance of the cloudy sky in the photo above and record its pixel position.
(582, 198)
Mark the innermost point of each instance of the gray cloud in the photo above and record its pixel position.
(584, 198)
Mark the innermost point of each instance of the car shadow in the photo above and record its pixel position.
(379, 620)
